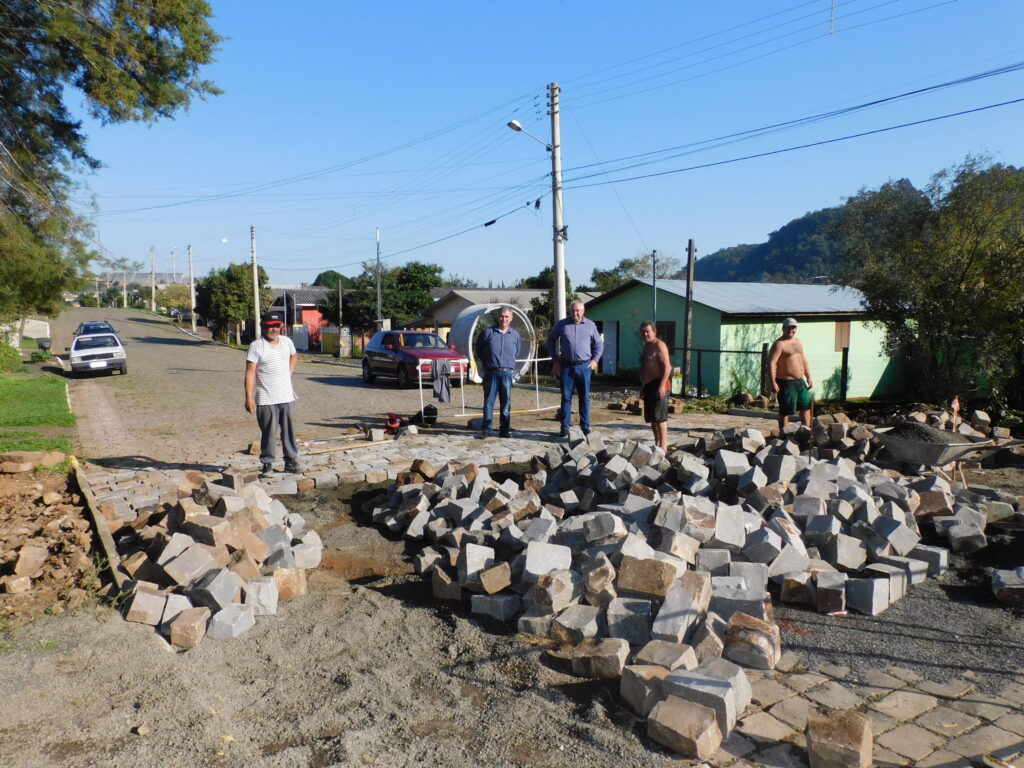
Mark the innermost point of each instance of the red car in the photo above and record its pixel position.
(398, 355)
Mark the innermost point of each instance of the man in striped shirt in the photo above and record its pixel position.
(269, 365)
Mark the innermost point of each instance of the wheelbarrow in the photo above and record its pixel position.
(937, 455)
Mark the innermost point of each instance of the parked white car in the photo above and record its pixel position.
(96, 352)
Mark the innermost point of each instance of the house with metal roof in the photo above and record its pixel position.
(734, 324)
(451, 301)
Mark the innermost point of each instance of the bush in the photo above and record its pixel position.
(41, 356)
(88, 300)
(10, 359)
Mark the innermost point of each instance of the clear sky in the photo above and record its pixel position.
(341, 117)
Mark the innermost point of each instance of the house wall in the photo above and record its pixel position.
(871, 373)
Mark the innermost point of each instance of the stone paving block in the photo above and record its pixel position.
(752, 642)
(868, 596)
(987, 740)
(499, 607)
(668, 655)
(734, 747)
(713, 560)
(845, 552)
(792, 711)
(904, 674)
(762, 728)
(557, 590)
(216, 589)
(983, 705)
(762, 546)
(830, 592)
(577, 623)
(629, 619)
(261, 595)
(936, 557)
(904, 705)
(916, 570)
(838, 740)
(943, 759)
(677, 616)
(947, 722)
(802, 681)
(175, 605)
(727, 599)
(648, 577)
(473, 559)
(544, 558)
(767, 692)
(145, 607)
(734, 675)
(685, 727)
(308, 550)
(234, 620)
(1013, 722)
(497, 578)
(896, 577)
(603, 658)
(189, 627)
(707, 690)
(291, 583)
(443, 586)
(833, 695)
(954, 688)
(799, 588)
(192, 563)
(641, 686)
(1008, 586)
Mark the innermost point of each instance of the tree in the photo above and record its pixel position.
(628, 269)
(943, 269)
(224, 297)
(405, 294)
(126, 61)
(33, 274)
(542, 309)
(457, 281)
(175, 297)
(331, 279)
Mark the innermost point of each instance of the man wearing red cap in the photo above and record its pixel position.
(269, 365)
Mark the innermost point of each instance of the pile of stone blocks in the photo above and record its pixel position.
(635, 405)
(212, 562)
(15, 462)
(656, 568)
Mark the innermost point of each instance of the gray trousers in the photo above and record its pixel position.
(272, 418)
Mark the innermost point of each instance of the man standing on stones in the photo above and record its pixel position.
(575, 346)
(790, 375)
(268, 393)
(496, 351)
(655, 382)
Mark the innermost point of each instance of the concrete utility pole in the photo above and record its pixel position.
(174, 274)
(191, 290)
(654, 287)
(152, 278)
(379, 317)
(691, 261)
(255, 284)
(557, 222)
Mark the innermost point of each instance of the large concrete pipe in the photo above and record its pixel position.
(474, 319)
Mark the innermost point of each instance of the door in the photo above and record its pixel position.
(610, 358)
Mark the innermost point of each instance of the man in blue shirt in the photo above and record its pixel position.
(575, 346)
(496, 350)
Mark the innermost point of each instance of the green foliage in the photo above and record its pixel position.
(174, 297)
(224, 296)
(34, 401)
(628, 269)
(457, 281)
(405, 294)
(542, 310)
(123, 61)
(804, 249)
(943, 269)
(10, 359)
(32, 441)
(330, 279)
(41, 355)
(88, 300)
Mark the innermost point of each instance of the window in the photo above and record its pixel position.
(667, 332)
(842, 335)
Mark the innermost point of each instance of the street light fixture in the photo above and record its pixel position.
(558, 227)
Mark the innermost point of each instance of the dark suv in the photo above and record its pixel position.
(401, 354)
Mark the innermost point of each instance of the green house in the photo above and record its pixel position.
(735, 323)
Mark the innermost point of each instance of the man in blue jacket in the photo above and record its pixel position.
(575, 346)
(497, 348)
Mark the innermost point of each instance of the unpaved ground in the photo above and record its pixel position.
(366, 669)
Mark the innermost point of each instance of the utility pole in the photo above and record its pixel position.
(152, 278)
(340, 298)
(255, 284)
(191, 290)
(174, 274)
(379, 317)
(654, 287)
(557, 222)
(691, 261)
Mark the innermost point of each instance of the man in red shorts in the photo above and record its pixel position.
(790, 375)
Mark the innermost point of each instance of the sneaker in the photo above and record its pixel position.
(484, 435)
(586, 431)
(267, 470)
(563, 432)
(293, 467)
(505, 434)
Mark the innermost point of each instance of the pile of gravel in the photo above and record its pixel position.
(911, 430)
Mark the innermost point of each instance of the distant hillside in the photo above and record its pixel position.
(797, 253)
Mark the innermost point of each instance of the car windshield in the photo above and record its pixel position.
(423, 341)
(96, 342)
(96, 327)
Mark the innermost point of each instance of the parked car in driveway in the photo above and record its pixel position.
(94, 326)
(403, 355)
(91, 353)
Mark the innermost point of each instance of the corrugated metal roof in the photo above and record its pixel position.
(768, 298)
(311, 294)
(499, 295)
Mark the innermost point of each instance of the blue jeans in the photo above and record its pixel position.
(576, 378)
(497, 384)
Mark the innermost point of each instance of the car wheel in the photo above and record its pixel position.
(403, 377)
(124, 369)
(367, 376)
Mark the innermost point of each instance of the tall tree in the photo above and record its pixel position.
(943, 269)
(405, 294)
(638, 267)
(224, 297)
(125, 61)
(542, 309)
(331, 279)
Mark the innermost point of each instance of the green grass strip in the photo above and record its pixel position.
(34, 401)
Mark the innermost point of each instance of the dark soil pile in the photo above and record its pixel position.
(910, 430)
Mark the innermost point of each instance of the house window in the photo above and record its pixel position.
(667, 332)
(842, 335)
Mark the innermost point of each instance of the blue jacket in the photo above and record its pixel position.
(575, 341)
(495, 349)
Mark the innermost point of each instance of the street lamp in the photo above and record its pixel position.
(558, 228)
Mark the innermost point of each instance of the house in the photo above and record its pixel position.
(449, 302)
(297, 307)
(735, 323)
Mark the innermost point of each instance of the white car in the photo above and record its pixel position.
(97, 352)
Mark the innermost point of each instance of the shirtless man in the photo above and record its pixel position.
(655, 373)
(790, 375)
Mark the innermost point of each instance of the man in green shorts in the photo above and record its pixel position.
(790, 375)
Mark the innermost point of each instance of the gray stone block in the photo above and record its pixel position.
(730, 532)
(175, 604)
(707, 637)
(711, 691)
(535, 622)
(831, 592)
(577, 623)
(1008, 586)
(915, 570)
(936, 557)
(730, 465)
(544, 558)
(780, 468)
(216, 590)
(713, 561)
(870, 596)
(789, 560)
(667, 654)
(557, 590)
(727, 598)
(762, 546)
(262, 594)
(629, 619)
(900, 537)
(500, 607)
(678, 614)
(965, 538)
(473, 559)
(896, 576)
(734, 675)
(308, 550)
(845, 552)
(234, 620)
(754, 575)
(819, 530)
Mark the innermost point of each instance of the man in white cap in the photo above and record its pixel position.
(790, 375)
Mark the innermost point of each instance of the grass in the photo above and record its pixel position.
(27, 343)
(34, 401)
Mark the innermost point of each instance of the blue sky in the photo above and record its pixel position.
(338, 118)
